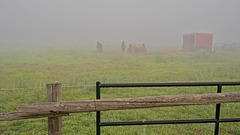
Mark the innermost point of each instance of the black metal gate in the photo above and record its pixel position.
(216, 120)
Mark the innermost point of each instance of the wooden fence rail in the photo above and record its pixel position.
(128, 103)
(19, 116)
(53, 109)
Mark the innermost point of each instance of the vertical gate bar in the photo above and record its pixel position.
(219, 90)
(98, 130)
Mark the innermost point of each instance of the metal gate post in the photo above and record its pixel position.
(98, 130)
(219, 90)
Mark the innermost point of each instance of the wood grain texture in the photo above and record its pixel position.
(18, 116)
(51, 109)
(129, 103)
(54, 94)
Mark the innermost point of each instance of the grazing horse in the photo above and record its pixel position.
(141, 49)
(137, 49)
(123, 46)
(132, 48)
(99, 47)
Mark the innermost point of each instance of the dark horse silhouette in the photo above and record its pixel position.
(99, 47)
(123, 46)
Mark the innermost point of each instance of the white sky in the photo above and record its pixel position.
(161, 22)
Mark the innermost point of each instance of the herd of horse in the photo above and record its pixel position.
(132, 48)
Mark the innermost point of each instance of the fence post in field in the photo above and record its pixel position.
(54, 94)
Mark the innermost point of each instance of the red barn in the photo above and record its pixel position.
(193, 41)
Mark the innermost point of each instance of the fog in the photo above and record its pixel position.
(155, 22)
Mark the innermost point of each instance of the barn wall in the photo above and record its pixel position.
(188, 41)
(204, 41)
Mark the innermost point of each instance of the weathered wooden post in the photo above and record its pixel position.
(54, 94)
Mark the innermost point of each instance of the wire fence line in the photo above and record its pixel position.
(74, 86)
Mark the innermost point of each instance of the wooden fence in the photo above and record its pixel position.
(54, 109)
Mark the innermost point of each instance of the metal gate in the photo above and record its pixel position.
(215, 120)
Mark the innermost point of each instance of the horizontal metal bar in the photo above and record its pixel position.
(172, 84)
(230, 120)
(156, 122)
(124, 123)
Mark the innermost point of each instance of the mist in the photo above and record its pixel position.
(160, 23)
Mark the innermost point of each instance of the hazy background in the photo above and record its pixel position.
(155, 22)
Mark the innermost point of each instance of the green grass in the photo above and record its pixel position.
(74, 65)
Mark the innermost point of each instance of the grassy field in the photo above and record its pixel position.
(35, 66)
